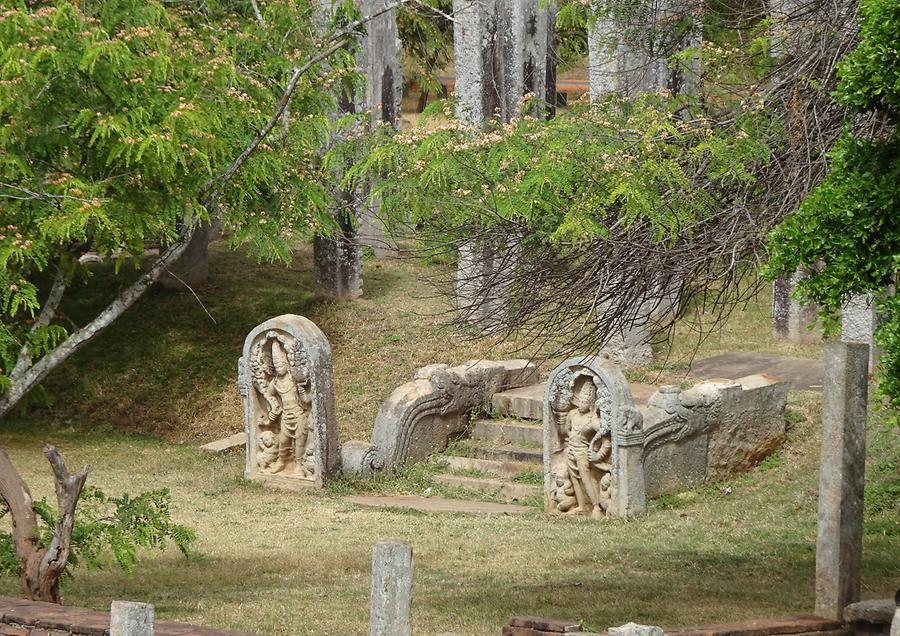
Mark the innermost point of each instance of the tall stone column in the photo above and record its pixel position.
(500, 49)
(539, 37)
(380, 61)
(790, 320)
(338, 258)
(841, 478)
(630, 58)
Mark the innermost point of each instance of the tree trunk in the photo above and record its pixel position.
(40, 566)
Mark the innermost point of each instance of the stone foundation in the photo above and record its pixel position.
(33, 618)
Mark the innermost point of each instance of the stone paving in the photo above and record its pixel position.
(802, 374)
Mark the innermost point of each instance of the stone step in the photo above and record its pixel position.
(224, 444)
(508, 430)
(488, 466)
(438, 504)
(510, 454)
(509, 490)
(526, 402)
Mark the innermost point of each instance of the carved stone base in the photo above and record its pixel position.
(281, 482)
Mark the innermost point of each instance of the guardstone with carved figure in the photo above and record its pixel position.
(285, 378)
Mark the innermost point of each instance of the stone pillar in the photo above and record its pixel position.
(858, 323)
(337, 257)
(550, 80)
(497, 44)
(790, 319)
(192, 268)
(489, 74)
(539, 68)
(841, 477)
(632, 58)
(380, 61)
(131, 619)
(392, 577)
(488, 40)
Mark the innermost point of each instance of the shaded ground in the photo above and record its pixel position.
(165, 368)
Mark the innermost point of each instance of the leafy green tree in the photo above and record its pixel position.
(124, 122)
(604, 205)
(846, 234)
(129, 121)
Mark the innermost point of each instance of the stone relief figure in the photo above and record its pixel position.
(582, 482)
(279, 368)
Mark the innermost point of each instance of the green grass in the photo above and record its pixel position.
(137, 401)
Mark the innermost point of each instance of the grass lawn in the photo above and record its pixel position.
(137, 401)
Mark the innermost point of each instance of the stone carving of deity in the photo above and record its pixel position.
(582, 485)
(280, 373)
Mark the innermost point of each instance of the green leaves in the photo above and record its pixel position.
(846, 233)
(567, 180)
(870, 74)
(108, 526)
(114, 115)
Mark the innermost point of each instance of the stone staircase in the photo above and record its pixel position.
(502, 459)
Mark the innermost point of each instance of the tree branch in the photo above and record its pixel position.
(68, 490)
(48, 312)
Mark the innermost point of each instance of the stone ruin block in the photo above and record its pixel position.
(420, 417)
(791, 321)
(593, 442)
(192, 268)
(285, 381)
(859, 320)
(712, 431)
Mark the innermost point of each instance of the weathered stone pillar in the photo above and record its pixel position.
(498, 45)
(338, 257)
(550, 79)
(841, 477)
(488, 39)
(630, 58)
(380, 61)
(790, 319)
(392, 577)
(131, 619)
(193, 267)
(539, 68)
(858, 323)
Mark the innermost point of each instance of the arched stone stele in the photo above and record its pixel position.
(285, 379)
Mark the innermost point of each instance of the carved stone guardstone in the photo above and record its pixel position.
(285, 381)
(593, 442)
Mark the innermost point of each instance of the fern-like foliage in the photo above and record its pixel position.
(105, 526)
